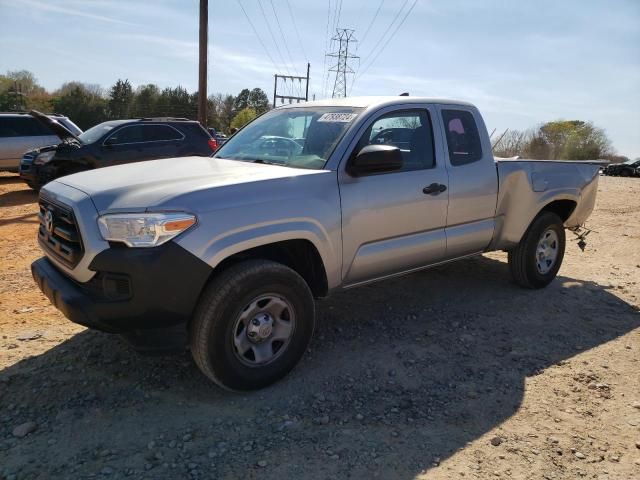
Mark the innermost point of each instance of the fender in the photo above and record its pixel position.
(236, 241)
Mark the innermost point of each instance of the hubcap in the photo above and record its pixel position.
(263, 330)
(547, 251)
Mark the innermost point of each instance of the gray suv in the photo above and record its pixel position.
(20, 132)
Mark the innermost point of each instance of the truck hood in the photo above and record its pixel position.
(60, 130)
(168, 183)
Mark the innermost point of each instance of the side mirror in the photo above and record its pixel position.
(375, 159)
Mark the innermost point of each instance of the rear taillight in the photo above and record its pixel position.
(213, 143)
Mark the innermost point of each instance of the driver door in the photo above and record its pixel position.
(395, 222)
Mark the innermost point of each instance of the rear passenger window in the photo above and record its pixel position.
(463, 139)
(155, 133)
(410, 131)
(144, 133)
(22, 127)
(132, 134)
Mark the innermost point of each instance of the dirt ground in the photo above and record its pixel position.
(449, 373)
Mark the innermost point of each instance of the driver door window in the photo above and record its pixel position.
(410, 131)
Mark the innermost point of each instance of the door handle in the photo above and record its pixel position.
(434, 189)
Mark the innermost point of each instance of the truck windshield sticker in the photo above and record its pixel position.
(337, 117)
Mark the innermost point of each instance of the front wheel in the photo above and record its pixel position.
(535, 262)
(252, 325)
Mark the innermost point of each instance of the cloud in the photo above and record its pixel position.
(47, 7)
(223, 59)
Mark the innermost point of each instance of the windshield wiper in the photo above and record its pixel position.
(266, 162)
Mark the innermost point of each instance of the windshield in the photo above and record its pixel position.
(295, 137)
(95, 133)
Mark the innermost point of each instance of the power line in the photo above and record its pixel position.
(337, 23)
(388, 39)
(273, 37)
(295, 26)
(325, 72)
(284, 40)
(387, 29)
(266, 51)
(375, 16)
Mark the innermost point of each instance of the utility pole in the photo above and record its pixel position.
(202, 71)
(344, 36)
(284, 78)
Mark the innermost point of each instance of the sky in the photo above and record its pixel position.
(520, 62)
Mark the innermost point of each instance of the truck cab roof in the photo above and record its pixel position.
(376, 101)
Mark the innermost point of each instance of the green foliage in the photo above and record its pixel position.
(255, 99)
(87, 105)
(145, 101)
(558, 140)
(242, 100)
(259, 101)
(177, 102)
(243, 117)
(19, 90)
(120, 99)
(83, 104)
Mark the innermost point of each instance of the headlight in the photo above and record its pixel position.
(43, 158)
(144, 229)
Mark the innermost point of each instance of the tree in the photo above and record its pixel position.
(83, 103)
(255, 99)
(177, 102)
(145, 101)
(243, 117)
(241, 101)
(558, 140)
(511, 144)
(574, 140)
(120, 99)
(258, 100)
(223, 105)
(19, 90)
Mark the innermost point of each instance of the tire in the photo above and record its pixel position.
(625, 173)
(527, 268)
(34, 186)
(224, 325)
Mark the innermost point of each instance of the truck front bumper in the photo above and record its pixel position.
(133, 289)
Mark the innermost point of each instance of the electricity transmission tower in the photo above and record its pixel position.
(344, 37)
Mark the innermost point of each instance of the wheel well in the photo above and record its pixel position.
(562, 208)
(299, 255)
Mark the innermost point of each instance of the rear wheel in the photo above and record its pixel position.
(252, 325)
(625, 173)
(535, 262)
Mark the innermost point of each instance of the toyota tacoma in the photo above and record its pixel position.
(230, 251)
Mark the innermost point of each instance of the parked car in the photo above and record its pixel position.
(221, 138)
(232, 249)
(20, 132)
(113, 143)
(630, 168)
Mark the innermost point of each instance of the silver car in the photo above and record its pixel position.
(20, 132)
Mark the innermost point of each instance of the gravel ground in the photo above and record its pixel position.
(449, 373)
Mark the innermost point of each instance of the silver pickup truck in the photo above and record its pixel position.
(306, 199)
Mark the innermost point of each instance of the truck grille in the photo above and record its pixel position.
(58, 232)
